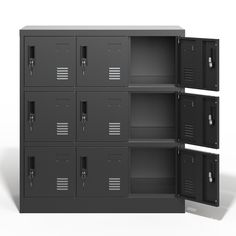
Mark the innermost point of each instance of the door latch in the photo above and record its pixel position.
(83, 114)
(31, 170)
(211, 59)
(210, 62)
(83, 170)
(210, 120)
(210, 177)
(83, 58)
(31, 59)
(31, 114)
(212, 116)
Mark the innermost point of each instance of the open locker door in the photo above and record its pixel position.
(199, 120)
(198, 176)
(199, 63)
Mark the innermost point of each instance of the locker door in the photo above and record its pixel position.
(102, 61)
(50, 116)
(199, 63)
(50, 61)
(198, 176)
(50, 172)
(102, 116)
(199, 120)
(102, 171)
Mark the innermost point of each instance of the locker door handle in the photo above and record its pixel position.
(83, 58)
(83, 169)
(31, 114)
(83, 114)
(211, 116)
(31, 169)
(31, 59)
(211, 59)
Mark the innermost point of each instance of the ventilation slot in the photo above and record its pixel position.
(188, 131)
(114, 184)
(62, 184)
(114, 73)
(114, 128)
(188, 74)
(189, 188)
(62, 73)
(62, 128)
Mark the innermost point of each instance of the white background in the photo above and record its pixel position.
(200, 18)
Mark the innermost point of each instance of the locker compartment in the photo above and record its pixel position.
(153, 116)
(50, 116)
(102, 116)
(50, 61)
(102, 61)
(153, 60)
(152, 170)
(102, 171)
(49, 171)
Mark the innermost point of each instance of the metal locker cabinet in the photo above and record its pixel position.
(50, 61)
(102, 171)
(50, 171)
(102, 116)
(102, 61)
(105, 117)
(50, 116)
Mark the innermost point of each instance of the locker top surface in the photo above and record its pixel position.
(102, 31)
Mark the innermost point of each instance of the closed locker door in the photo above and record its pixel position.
(50, 61)
(50, 116)
(102, 116)
(102, 61)
(50, 171)
(102, 171)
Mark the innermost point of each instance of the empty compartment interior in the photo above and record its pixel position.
(152, 171)
(152, 60)
(152, 116)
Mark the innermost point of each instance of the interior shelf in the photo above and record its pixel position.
(166, 88)
(152, 195)
(167, 143)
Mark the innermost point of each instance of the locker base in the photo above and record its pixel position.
(102, 205)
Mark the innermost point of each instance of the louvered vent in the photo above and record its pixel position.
(189, 131)
(114, 128)
(189, 187)
(62, 184)
(188, 74)
(114, 73)
(62, 73)
(62, 128)
(114, 184)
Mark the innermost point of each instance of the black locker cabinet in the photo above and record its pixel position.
(104, 119)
